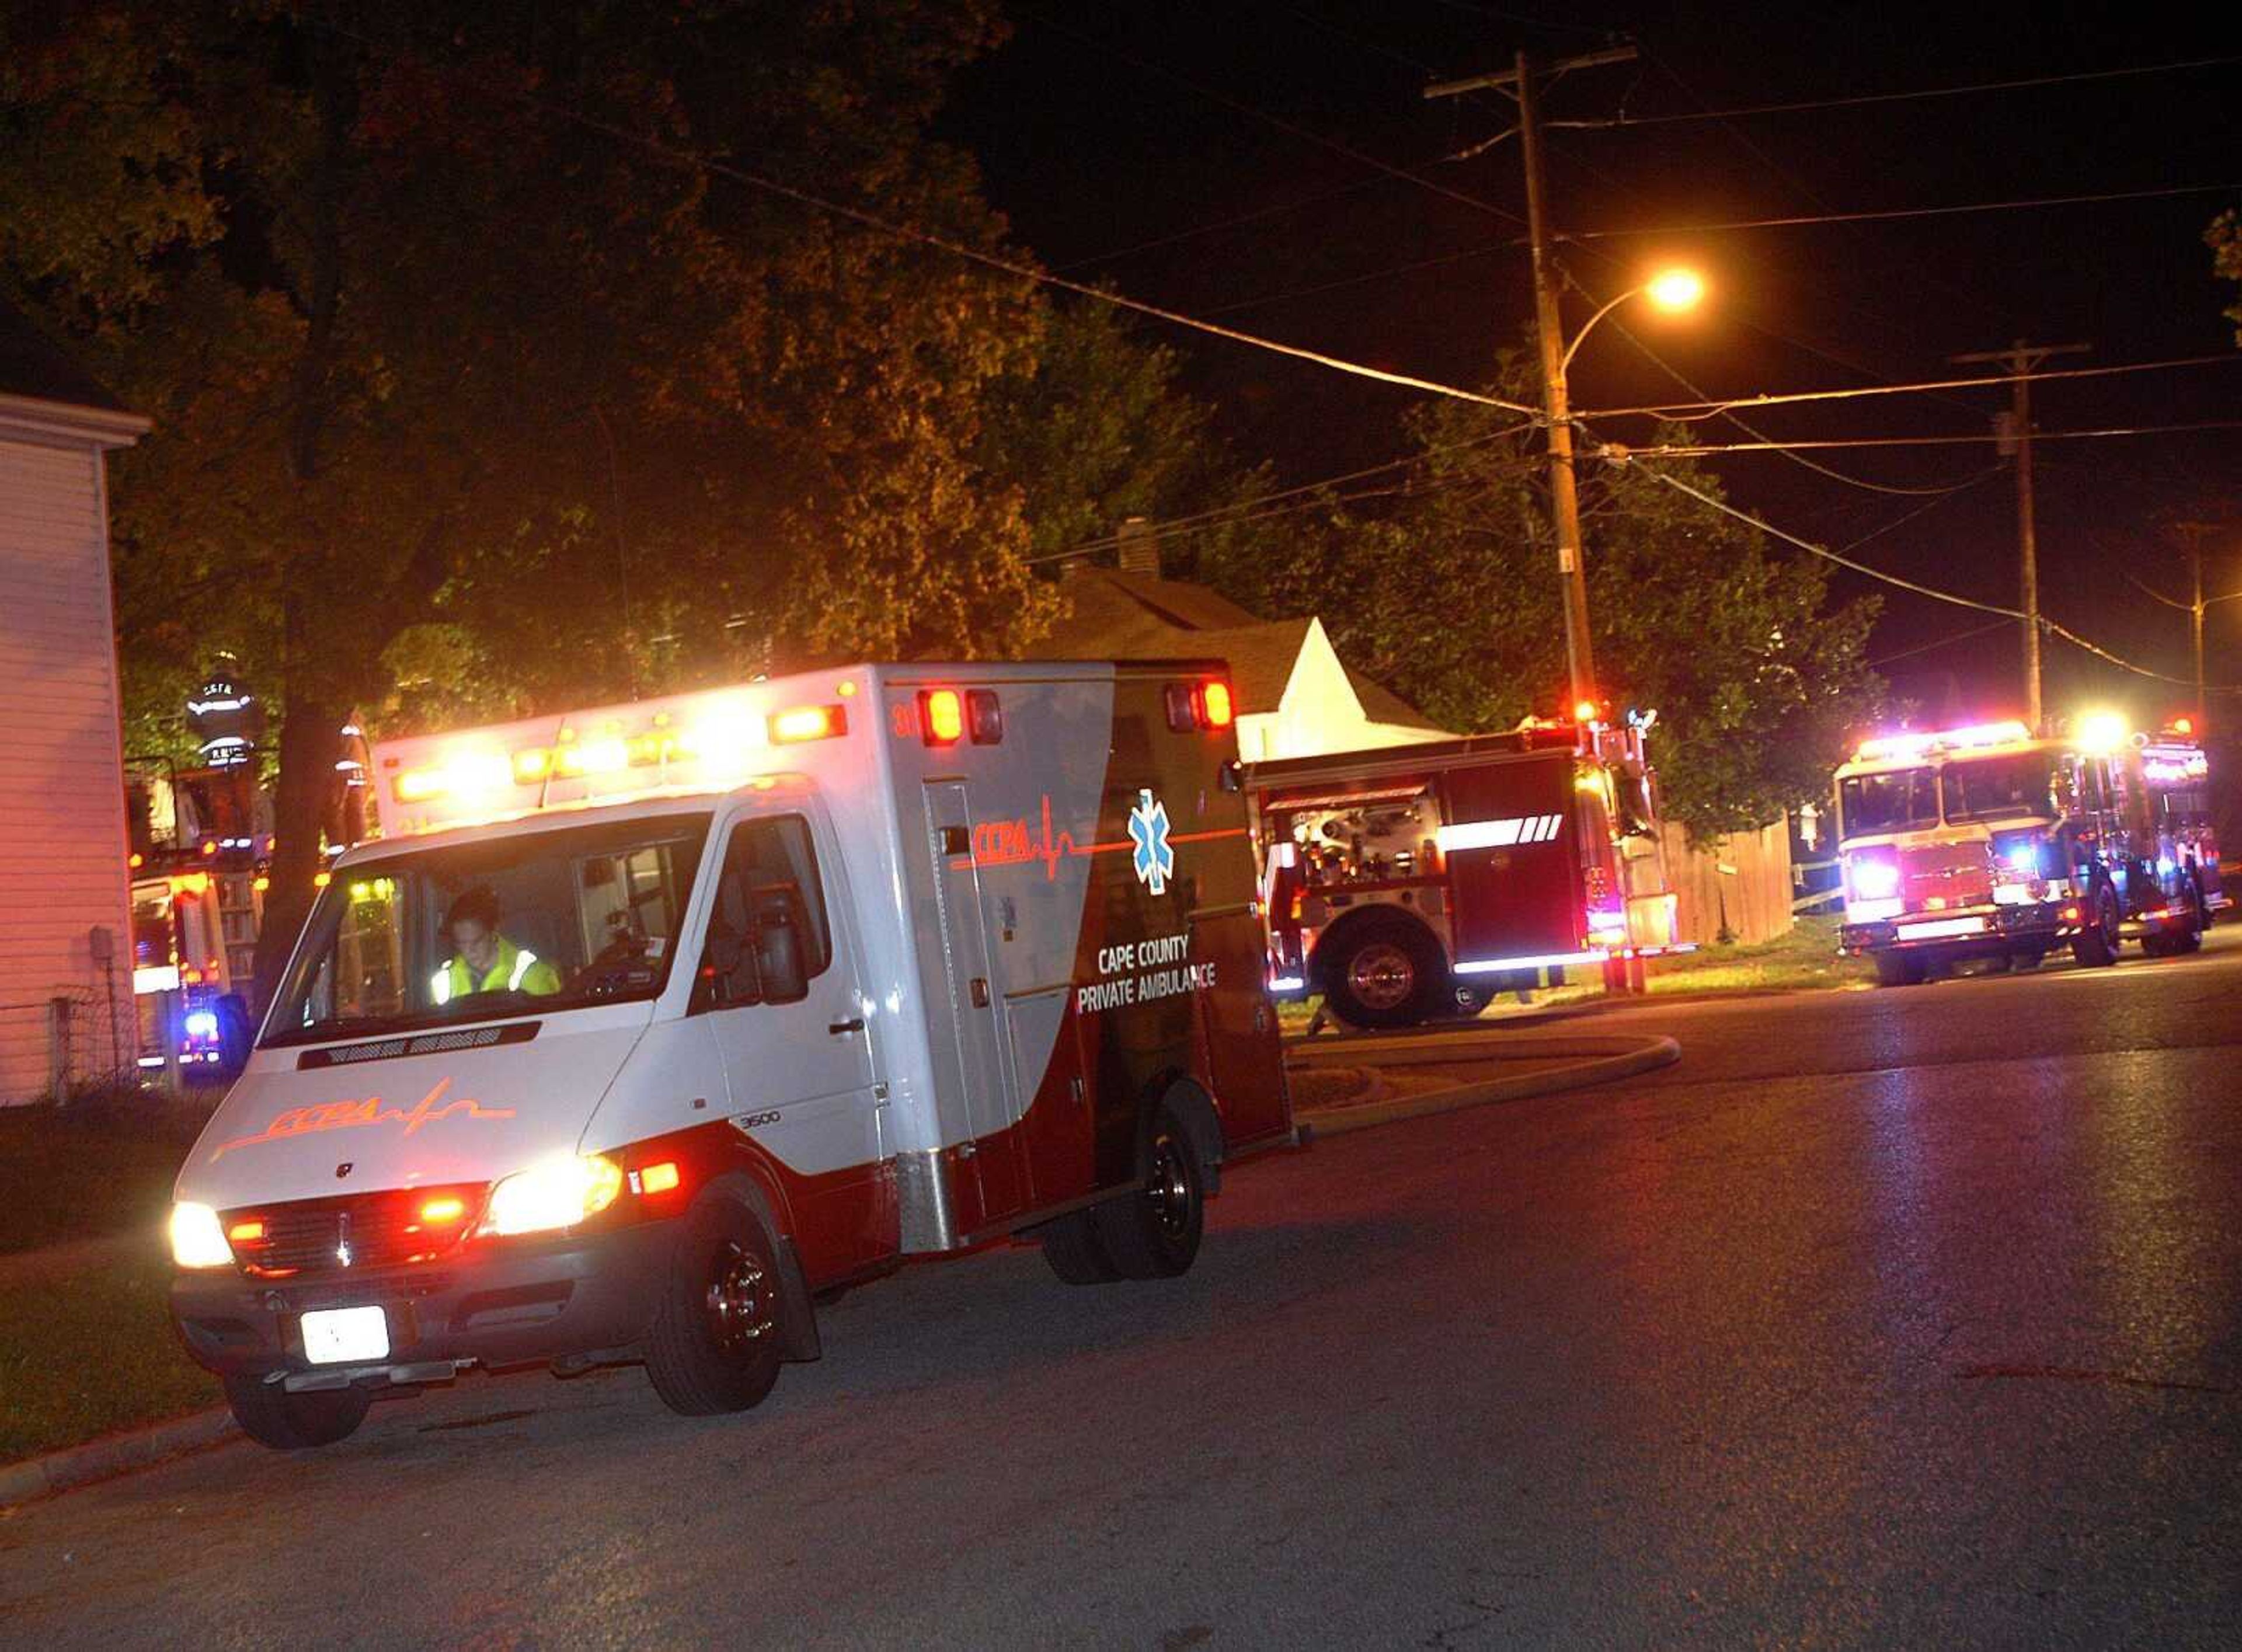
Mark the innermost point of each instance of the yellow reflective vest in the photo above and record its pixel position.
(515, 970)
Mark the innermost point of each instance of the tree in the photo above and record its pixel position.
(474, 387)
(1449, 596)
(2224, 239)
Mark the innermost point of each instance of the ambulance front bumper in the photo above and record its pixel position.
(495, 1303)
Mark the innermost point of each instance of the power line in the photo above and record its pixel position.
(1887, 213)
(1676, 410)
(1926, 647)
(1243, 218)
(1622, 451)
(1918, 95)
(956, 249)
(1282, 125)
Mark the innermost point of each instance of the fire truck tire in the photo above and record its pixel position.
(2184, 938)
(1387, 972)
(2096, 944)
(1898, 970)
(1154, 1232)
(1071, 1250)
(1465, 1003)
(2190, 939)
(716, 1337)
(271, 1416)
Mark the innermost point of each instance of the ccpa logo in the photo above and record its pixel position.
(1148, 829)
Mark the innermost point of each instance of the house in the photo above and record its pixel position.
(1294, 696)
(66, 1011)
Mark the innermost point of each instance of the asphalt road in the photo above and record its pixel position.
(1883, 1318)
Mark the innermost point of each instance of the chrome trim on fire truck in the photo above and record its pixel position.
(923, 1202)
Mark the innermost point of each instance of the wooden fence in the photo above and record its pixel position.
(1741, 883)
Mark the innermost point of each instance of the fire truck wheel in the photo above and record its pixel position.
(2096, 944)
(271, 1416)
(1466, 1002)
(715, 1341)
(1071, 1250)
(1386, 975)
(1154, 1232)
(1898, 970)
(2185, 936)
(2191, 938)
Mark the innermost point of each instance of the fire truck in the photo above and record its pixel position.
(1990, 843)
(197, 865)
(799, 979)
(1413, 882)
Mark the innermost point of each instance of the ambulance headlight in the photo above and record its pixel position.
(559, 1192)
(197, 1238)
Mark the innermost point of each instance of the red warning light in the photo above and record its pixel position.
(942, 716)
(1214, 700)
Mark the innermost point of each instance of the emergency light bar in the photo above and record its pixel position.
(1923, 744)
(710, 740)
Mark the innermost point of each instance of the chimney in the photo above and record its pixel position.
(1140, 547)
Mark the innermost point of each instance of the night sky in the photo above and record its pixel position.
(1103, 128)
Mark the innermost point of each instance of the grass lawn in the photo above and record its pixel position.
(91, 1168)
(87, 1351)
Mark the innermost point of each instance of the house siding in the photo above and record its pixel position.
(62, 805)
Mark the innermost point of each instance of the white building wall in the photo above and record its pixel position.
(61, 792)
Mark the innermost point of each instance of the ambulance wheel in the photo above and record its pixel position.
(2096, 944)
(1386, 975)
(1898, 970)
(1154, 1232)
(1071, 1250)
(715, 1344)
(271, 1416)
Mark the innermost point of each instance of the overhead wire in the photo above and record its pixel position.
(1695, 450)
(1885, 214)
(1028, 273)
(1678, 411)
(1918, 95)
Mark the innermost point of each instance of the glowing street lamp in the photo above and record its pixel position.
(1672, 290)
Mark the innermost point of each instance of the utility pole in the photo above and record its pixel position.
(2193, 532)
(2021, 359)
(1564, 492)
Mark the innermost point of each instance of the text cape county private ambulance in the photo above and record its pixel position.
(877, 962)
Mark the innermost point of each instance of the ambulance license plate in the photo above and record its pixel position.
(341, 1336)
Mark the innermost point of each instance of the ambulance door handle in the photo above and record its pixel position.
(842, 1028)
(979, 989)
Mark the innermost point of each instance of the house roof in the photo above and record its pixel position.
(1122, 616)
(34, 368)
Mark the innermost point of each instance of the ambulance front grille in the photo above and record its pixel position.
(315, 1237)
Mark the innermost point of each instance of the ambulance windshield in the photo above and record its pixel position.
(515, 925)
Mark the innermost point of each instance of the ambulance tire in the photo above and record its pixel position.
(1072, 1250)
(1154, 1232)
(2096, 944)
(1397, 963)
(271, 1416)
(717, 1335)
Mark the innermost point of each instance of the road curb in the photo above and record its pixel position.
(37, 1477)
(1612, 1057)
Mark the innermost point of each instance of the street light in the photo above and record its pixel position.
(1671, 290)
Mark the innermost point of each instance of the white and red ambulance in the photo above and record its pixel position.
(825, 973)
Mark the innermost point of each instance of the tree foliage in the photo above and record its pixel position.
(474, 388)
(2224, 239)
(1450, 596)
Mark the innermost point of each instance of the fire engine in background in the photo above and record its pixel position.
(838, 970)
(1410, 883)
(198, 845)
(1988, 842)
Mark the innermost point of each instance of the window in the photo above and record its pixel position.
(577, 914)
(777, 853)
(1902, 800)
(1984, 787)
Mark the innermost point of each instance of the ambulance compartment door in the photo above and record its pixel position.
(801, 1073)
(975, 1057)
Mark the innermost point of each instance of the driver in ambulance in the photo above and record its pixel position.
(482, 959)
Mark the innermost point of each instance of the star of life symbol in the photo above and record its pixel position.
(1148, 829)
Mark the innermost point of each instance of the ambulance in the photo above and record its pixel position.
(822, 974)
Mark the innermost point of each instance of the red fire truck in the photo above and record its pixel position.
(1410, 883)
(1988, 842)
